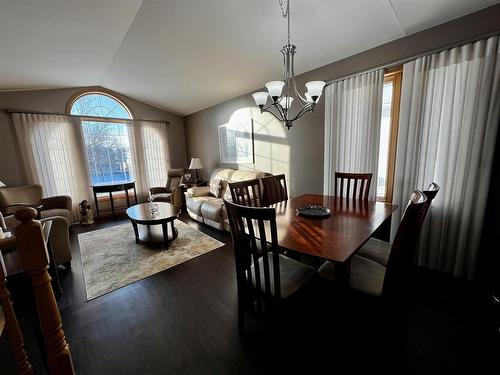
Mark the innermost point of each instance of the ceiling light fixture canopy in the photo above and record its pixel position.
(281, 91)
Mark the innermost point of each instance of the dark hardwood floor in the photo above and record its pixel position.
(184, 320)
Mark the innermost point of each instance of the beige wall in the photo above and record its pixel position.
(11, 165)
(300, 151)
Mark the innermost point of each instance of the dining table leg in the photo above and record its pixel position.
(343, 272)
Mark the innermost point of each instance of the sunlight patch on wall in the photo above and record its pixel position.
(272, 153)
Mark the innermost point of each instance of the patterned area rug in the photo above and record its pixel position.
(111, 259)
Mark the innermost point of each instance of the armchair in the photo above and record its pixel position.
(172, 191)
(57, 208)
(28, 195)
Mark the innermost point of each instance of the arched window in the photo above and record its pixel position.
(106, 136)
(99, 105)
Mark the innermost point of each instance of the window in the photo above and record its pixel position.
(388, 134)
(105, 133)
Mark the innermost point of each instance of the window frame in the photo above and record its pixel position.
(99, 91)
(394, 75)
(104, 92)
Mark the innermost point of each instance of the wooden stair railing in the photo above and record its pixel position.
(12, 329)
(35, 261)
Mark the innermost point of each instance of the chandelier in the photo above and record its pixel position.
(281, 91)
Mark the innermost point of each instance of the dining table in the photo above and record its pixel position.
(339, 235)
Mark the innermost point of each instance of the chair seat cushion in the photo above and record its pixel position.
(293, 274)
(212, 209)
(376, 250)
(57, 212)
(194, 204)
(366, 275)
(162, 197)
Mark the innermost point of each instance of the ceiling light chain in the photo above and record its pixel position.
(282, 104)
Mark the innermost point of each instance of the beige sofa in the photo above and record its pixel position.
(206, 208)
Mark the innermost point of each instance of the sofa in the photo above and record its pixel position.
(209, 209)
(57, 208)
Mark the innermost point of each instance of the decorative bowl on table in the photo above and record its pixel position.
(313, 210)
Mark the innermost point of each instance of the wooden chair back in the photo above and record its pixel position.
(247, 193)
(275, 190)
(430, 193)
(403, 248)
(353, 185)
(254, 235)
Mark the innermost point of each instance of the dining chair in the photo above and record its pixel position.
(264, 277)
(372, 278)
(352, 185)
(247, 192)
(378, 250)
(275, 190)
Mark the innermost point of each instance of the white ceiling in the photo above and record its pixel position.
(186, 55)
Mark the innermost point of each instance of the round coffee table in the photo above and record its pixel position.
(142, 214)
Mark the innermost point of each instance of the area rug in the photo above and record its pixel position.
(111, 259)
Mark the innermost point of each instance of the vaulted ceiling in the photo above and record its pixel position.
(186, 55)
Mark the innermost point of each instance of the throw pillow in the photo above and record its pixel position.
(216, 187)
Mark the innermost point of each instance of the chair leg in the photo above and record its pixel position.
(241, 322)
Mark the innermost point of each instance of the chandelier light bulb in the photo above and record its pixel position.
(315, 88)
(260, 98)
(275, 88)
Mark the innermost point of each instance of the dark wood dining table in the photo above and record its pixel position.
(336, 237)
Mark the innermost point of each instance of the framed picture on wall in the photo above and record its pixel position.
(236, 142)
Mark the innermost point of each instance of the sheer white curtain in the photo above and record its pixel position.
(54, 156)
(150, 155)
(353, 108)
(450, 108)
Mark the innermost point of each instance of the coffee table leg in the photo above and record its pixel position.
(174, 231)
(136, 231)
(164, 226)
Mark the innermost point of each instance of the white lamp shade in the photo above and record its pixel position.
(195, 164)
(309, 99)
(2, 184)
(286, 102)
(275, 88)
(315, 88)
(260, 98)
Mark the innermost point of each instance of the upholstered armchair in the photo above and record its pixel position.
(59, 240)
(57, 208)
(11, 197)
(171, 192)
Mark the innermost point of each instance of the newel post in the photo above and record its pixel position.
(35, 261)
(15, 337)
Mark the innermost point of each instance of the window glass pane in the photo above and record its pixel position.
(385, 130)
(99, 105)
(108, 152)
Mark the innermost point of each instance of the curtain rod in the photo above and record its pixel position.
(98, 118)
(397, 63)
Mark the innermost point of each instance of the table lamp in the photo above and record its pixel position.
(195, 164)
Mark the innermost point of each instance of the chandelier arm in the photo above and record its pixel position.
(281, 110)
(272, 113)
(307, 108)
(278, 107)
